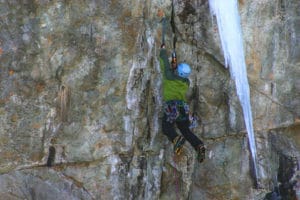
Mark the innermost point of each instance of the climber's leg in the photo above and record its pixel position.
(183, 126)
(169, 129)
(198, 145)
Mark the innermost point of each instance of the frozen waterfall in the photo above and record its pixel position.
(228, 21)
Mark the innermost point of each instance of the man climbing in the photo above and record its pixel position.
(176, 110)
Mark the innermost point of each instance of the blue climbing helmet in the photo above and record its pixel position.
(184, 70)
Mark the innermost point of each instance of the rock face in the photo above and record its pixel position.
(80, 101)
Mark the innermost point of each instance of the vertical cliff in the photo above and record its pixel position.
(80, 101)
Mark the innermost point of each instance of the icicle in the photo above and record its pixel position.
(228, 21)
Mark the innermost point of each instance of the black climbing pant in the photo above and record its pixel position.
(169, 130)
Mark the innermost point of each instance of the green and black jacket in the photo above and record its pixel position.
(174, 86)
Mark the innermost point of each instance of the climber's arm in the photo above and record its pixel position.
(165, 65)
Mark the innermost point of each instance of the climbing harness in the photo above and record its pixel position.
(176, 110)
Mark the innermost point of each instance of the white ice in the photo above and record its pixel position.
(228, 20)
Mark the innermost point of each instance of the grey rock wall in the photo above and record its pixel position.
(80, 101)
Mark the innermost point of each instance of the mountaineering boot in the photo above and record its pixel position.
(200, 153)
(178, 144)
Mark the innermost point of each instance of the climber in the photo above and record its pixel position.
(176, 110)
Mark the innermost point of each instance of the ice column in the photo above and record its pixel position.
(228, 20)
